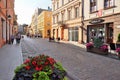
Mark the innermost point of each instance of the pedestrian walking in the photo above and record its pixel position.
(11, 39)
(18, 37)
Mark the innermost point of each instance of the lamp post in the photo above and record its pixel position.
(9, 18)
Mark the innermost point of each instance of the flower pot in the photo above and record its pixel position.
(40, 68)
(119, 55)
(97, 51)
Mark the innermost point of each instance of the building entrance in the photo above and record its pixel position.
(73, 34)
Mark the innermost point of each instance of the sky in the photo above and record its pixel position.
(24, 9)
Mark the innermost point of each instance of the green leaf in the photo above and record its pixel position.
(42, 76)
(58, 65)
(19, 67)
(65, 78)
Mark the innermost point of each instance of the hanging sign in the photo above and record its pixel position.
(96, 21)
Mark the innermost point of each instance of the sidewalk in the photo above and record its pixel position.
(75, 43)
(10, 57)
(112, 55)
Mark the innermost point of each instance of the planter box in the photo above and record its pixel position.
(97, 51)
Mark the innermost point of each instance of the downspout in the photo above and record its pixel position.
(82, 19)
(6, 23)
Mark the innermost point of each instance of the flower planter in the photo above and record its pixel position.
(40, 68)
(119, 55)
(97, 51)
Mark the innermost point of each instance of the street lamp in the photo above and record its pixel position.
(9, 18)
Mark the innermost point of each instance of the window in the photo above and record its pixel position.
(57, 18)
(57, 4)
(53, 7)
(62, 16)
(69, 14)
(76, 12)
(62, 2)
(53, 19)
(93, 5)
(108, 3)
(68, 0)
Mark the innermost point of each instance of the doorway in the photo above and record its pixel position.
(109, 32)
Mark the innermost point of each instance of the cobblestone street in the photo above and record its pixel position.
(80, 65)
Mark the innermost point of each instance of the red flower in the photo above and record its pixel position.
(27, 61)
(38, 68)
(34, 63)
(27, 67)
(51, 60)
(46, 63)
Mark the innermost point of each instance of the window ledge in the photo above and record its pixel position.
(93, 12)
(105, 8)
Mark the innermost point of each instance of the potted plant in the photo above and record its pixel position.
(89, 45)
(104, 48)
(118, 50)
(118, 41)
(98, 47)
(40, 68)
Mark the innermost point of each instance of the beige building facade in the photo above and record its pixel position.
(44, 23)
(101, 19)
(66, 22)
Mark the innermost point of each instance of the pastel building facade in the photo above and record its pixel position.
(44, 23)
(7, 18)
(101, 19)
(66, 20)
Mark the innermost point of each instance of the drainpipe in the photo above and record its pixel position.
(6, 23)
(82, 18)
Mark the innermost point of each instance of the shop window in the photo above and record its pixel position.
(73, 34)
(96, 32)
(93, 5)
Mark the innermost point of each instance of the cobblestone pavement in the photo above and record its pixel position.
(80, 65)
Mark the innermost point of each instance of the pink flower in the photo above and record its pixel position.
(118, 50)
(104, 47)
(89, 45)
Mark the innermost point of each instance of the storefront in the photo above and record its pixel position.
(73, 34)
(102, 31)
(106, 28)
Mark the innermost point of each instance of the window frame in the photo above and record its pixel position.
(77, 11)
(93, 6)
(62, 2)
(109, 5)
(57, 4)
(69, 14)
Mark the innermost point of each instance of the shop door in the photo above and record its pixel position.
(62, 33)
(109, 33)
(70, 35)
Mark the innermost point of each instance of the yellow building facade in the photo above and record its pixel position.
(44, 23)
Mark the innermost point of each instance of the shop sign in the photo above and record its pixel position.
(96, 21)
